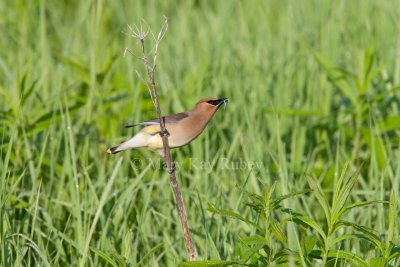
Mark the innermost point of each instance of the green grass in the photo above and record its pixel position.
(314, 89)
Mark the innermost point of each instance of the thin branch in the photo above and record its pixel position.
(127, 50)
(157, 40)
(140, 36)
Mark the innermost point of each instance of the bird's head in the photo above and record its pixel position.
(211, 104)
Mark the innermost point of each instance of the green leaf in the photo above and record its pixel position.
(343, 237)
(250, 251)
(253, 197)
(151, 251)
(299, 218)
(25, 94)
(118, 258)
(104, 256)
(319, 194)
(232, 214)
(377, 262)
(308, 243)
(394, 253)
(275, 203)
(278, 233)
(391, 122)
(367, 234)
(209, 263)
(252, 240)
(370, 72)
(282, 258)
(340, 254)
(338, 77)
(341, 194)
(258, 242)
(356, 205)
(269, 192)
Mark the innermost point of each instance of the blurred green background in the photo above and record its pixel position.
(312, 84)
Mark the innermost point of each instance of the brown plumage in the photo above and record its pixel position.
(182, 127)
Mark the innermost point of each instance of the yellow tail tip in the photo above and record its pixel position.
(109, 151)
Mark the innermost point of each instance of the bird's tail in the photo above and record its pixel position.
(136, 141)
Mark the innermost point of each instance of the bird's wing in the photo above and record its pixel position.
(175, 118)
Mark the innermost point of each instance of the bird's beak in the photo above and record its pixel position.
(222, 101)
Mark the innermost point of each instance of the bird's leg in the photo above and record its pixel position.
(164, 132)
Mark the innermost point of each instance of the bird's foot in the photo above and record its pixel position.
(164, 133)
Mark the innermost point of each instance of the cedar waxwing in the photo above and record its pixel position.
(182, 128)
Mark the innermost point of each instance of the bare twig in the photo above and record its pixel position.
(140, 36)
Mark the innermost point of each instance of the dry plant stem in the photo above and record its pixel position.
(167, 155)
